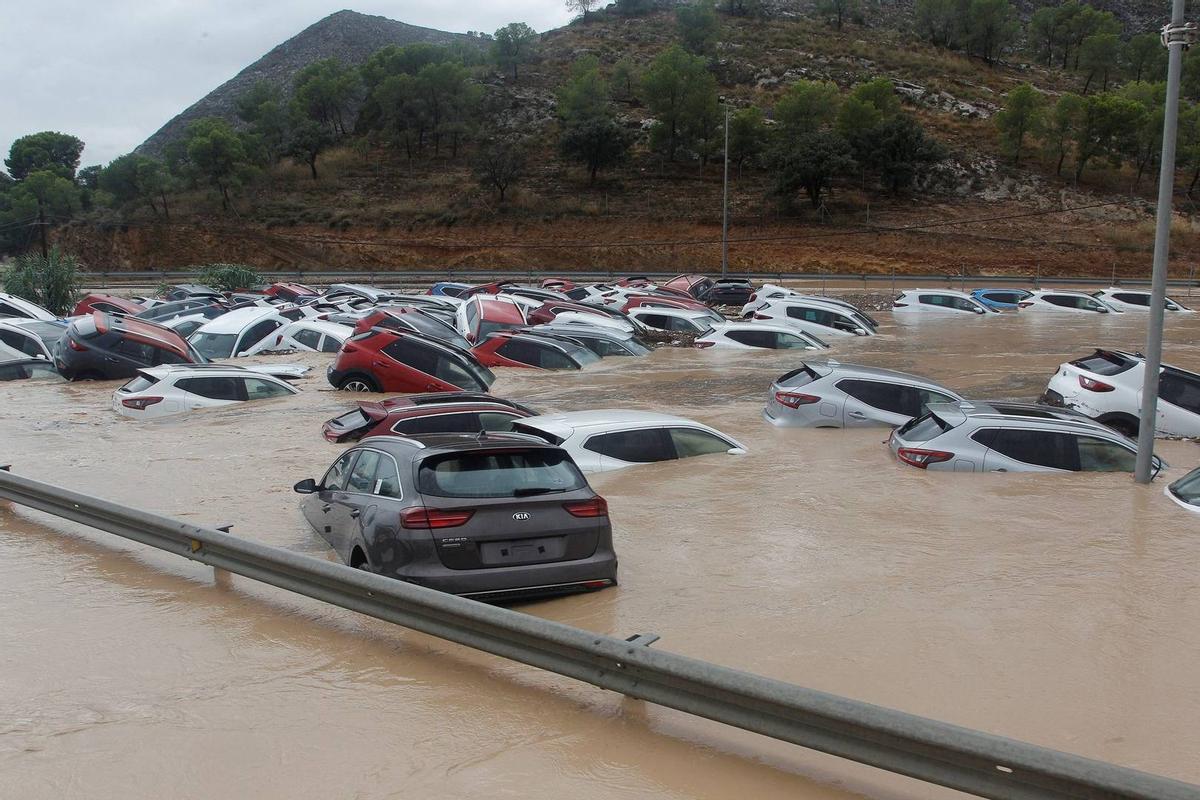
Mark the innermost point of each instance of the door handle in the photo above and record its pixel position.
(326, 509)
(857, 415)
(355, 514)
(1000, 469)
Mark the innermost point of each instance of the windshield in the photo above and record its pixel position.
(213, 345)
(1187, 488)
(515, 473)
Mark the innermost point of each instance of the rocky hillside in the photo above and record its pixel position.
(347, 35)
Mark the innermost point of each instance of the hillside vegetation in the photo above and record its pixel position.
(952, 135)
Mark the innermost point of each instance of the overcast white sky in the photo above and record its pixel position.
(112, 72)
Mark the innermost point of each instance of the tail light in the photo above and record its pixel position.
(74, 345)
(761, 316)
(595, 507)
(795, 399)
(922, 458)
(429, 518)
(140, 403)
(703, 345)
(753, 297)
(1093, 385)
(1024, 304)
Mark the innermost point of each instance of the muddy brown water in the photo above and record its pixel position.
(1058, 609)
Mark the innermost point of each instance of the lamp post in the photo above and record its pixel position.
(725, 204)
(1176, 36)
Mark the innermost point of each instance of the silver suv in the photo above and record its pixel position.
(827, 394)
(1012, 437)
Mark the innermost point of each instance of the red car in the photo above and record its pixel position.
(661, 301)
(526, 349)
(439, 412)
(552, 308)
(383, 360)
(481, 315)
(693, 285)
(558, 284)
(407, 318)
(109, 304)
(292, 292)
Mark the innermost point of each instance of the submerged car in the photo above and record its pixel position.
(407, 318)
(484, 314)
(33, 337)
(759, 335)
(1012, 437)
(600, 340)
(674, 320)
(104, 347)
(20, 308)
(938, 301)
(828, 394)
(1186, 491)
(600, 441)
(1136, 300)
(1107, 387)
(165, 391)
(238, 332)
(727, 292)
(815, 316)
(1001, 299)
(1063, 301)
(494, 518)
(437, 412)
(108, 303)
(306, 335)
(382, 360)
(528, 349)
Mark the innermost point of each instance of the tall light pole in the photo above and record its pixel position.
(725, 204)
(1176, 36)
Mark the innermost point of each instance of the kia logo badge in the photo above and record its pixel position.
(521, 516)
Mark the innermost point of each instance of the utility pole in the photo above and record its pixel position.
(1176, 36)
(725, 205)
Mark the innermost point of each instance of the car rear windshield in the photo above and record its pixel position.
(504, 473)
(1104, 363)
(922, 429)
(798, 377)
(140, 384)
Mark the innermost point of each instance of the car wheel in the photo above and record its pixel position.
(358, 383)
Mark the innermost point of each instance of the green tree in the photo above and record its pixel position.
(991, 28)
(1046, 33)
(585, 94)
(942, 22)
(1021, 115)
(1101, 129)
(135, 179)
(1099, 56)
(47, 195)
(52, 280)
(697, 26)
(807, 106)
(624, 78)
(1080, 22)
(1188, 147)
(229, 277)
(1144, 142)
(868, 106)
(325, 91)
(501, 163)
(513, 45)
(676, 87)
(262, 108)
(307, 139)
(1058, 127)
(743, 8)
(402, 114)
(902, 152)
(747, 135)
(48, 150)
(216, 153)
(810, 162)
(1144, 56)
(583, 7)
(836, 11)
(599, 142)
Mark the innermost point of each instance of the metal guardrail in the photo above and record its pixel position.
(392, 279)
(936, 752)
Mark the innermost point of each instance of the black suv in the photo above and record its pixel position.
(105, 347)
(727, 292)
(495, 517)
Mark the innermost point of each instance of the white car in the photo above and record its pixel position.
(1065, 301)
(186, 325)
(595, 321)
(817, 317)
(1107, 386)
(600, 441)
(237, 332)
(1135, 300)
(1186, 491)
(19, 307)
(164, 391)
(759, 335)
(308, 335)
(33, 337)
(938, 301)
(675, 320)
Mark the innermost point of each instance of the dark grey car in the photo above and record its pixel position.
(494, 517)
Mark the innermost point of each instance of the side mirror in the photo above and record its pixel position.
(859, 332)
(1156, 466)
(736, 451)
(979, 310)
(306, 486)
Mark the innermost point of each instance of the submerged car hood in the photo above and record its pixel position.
(281, 370)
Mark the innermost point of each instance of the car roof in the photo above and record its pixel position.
(143, 330)
(574, 330)
(499, 309)
(826, 305)
(687, 313)
(238, 319)
(951, 292)
(758, 326)
(1024, 413)
(208, 370)
(1072, 292)
(322, 325)
(832, 366)
(435, 443)
(565, 424)
(26, 322)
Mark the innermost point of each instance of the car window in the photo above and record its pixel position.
(387, 479)
(1180, 390)
(1132, 299)
(165, 356)
(692, 442)
(336, 477)
(133, 349)
(259, 389)
(258, 332)
(330, 344)
(877, 394)
(1040, 448)
(450, 369)
(962, 304)
(26, 344)
(497, 421)
(465, 422)
(7, 310)
(637, 446)
(308, 338)
(550, 358)
(755, 338)
(214, 388)
(418, 356)
(1060, 300)
(660, 321)
(362, 477)
(1101, 455)
(927, 396)
(519, 350)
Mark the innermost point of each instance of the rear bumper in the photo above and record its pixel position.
(598, 571)
(1052, 398)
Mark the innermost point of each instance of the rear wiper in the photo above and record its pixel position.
(530, 490)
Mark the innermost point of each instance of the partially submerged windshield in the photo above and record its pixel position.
(213, 345)
(1187, 488)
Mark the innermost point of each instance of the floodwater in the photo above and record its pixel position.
(1057, 609)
